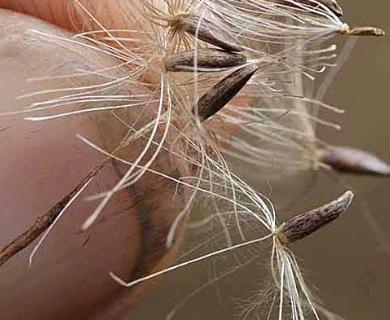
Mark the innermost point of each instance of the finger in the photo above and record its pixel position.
(42, 161)
(72, 15)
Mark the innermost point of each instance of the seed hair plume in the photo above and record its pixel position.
(211, 86)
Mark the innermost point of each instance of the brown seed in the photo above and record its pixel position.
(221, 93)
(207, 60)
(306, 223)
(331, 4)
(206, 31)
(351, 160)
(364, 31)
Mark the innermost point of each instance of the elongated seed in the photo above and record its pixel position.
(355, 161)
(306, 223)
(207, 60)
(333, 6)
(221, 93)
(206, 31)
(330, 4)
(364, 31)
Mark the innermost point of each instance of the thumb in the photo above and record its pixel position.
(43, 161)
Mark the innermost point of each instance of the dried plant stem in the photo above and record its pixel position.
(43, 222)
(46, 220)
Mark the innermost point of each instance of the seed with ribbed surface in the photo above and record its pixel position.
(203, 60)
(206, 31)
(330, 4)
(221, 93)
(306, 223)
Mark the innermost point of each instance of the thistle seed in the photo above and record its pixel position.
(207, 60)
(306, 223)
(355, 161)
(206, 31)
(333, 6)
(221, 93)
(364, 31)
(330, 4)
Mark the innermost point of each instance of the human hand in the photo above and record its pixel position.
(43, 161)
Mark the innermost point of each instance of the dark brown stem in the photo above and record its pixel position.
(43, 222)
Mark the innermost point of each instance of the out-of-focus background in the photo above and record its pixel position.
(348, 263)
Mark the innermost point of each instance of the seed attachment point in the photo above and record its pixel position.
(306, 223)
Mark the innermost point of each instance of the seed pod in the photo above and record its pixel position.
(351, 160)
(333, 6)
(207, 60)
(206, 31)
(364, 31)
(221, 93)
(330, 4)
(306, 223)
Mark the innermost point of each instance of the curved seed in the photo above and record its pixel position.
(207, 31)
(207, 60)
(306, 223)
(351, 160)
(221, 93)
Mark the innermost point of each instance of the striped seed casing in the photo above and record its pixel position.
(222, 92)
(207, 31)
(330, 4)
(306, 223)
(203, 60)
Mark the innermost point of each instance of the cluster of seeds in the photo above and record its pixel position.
(233, 79)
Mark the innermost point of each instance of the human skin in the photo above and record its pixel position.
(43, 161)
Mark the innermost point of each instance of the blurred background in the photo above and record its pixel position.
(348, 263)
